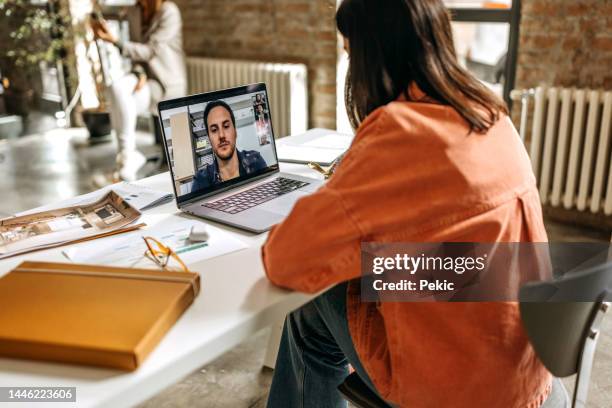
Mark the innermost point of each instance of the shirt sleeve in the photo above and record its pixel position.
(315, 247)
(169, 26)
(319, 244)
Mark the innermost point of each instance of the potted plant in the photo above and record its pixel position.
(46, 31)
(34, 33)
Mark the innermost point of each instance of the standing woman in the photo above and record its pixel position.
(435, 159)
(158, 73)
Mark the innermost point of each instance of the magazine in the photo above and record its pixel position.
(140, 197)
(109, 215)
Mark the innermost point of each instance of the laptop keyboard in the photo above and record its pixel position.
(255, 196)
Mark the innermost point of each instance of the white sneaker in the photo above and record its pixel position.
(128, 164)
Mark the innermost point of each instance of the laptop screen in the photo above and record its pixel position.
(218, 139)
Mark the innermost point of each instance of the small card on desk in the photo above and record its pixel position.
(93, 315)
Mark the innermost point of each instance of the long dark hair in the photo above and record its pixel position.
(149, 9)
(395, 42)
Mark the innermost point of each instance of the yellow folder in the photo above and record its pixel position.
(84, 314)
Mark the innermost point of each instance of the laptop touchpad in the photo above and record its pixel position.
(284, 204)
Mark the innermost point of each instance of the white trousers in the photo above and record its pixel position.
(124, 106)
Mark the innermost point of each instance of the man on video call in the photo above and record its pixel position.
(229, 162)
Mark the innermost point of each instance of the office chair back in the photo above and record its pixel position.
(561, 326)
(562, 320)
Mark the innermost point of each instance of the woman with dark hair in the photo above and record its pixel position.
(158, 72)
(435, 159)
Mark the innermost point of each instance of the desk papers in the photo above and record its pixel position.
(141, 197)
(173, 231)
(109, 215)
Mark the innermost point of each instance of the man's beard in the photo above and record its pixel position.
(228, 156)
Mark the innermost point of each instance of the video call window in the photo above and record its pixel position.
(225, 139)
(262, 118)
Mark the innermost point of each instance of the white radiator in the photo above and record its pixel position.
(287, 87)
(570, 146)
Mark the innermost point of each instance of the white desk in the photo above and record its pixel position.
(236, 301)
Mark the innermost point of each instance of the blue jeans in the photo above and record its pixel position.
(315, 350)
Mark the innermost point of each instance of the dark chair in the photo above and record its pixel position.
(359, 394)
(562, 326)
(565, 329)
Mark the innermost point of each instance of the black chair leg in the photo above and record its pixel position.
(354, 390)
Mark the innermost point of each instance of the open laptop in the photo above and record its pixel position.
(222, 158)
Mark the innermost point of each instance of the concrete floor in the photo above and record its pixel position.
(234, 380)
(59, 164)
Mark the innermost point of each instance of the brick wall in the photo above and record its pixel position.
(301, 31)
(565, 43)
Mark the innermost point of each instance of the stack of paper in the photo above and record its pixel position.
(142, 197)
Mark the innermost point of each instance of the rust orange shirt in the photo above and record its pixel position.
(416, 174)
